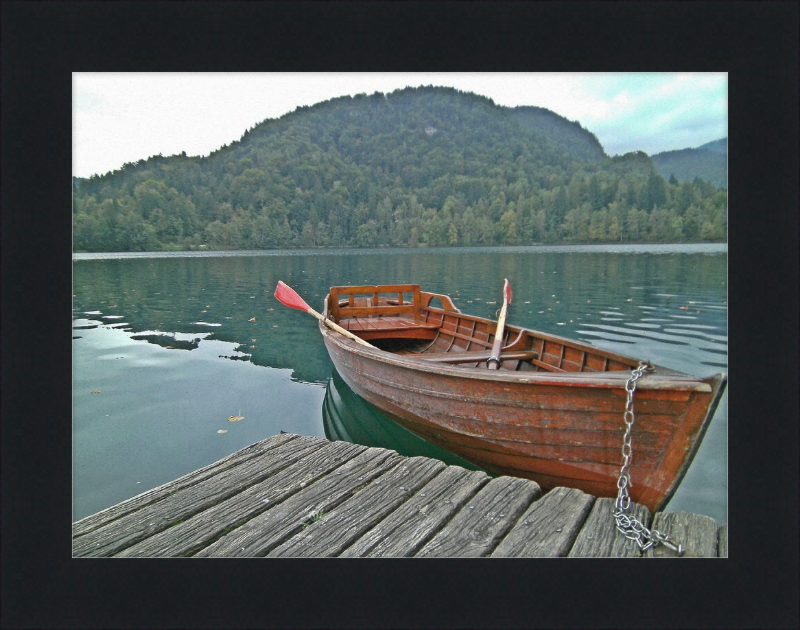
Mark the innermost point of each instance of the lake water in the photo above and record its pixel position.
(168, 347)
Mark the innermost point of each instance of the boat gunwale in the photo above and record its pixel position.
(662, 378)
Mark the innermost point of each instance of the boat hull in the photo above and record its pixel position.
(556, 429)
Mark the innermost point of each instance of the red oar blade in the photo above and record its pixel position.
(288, 297)
(507, 291)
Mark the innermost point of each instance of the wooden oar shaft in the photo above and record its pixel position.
(337, 328)
(493, 363)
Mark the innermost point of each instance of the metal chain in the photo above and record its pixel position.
(631, 527)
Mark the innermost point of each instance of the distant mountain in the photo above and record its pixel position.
(421, 166)
(567, 135)
(708, 162)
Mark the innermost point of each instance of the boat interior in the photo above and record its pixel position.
(404, 320)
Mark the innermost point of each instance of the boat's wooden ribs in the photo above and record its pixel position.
(403, 311)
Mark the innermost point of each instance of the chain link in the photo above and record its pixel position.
(631, 527)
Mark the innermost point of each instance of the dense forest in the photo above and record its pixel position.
(417, 167)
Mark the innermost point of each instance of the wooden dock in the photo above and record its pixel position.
(291, 495)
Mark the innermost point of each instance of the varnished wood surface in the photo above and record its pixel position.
(298, 496)
(550, 413)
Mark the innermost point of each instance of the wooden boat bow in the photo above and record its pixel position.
(552, 412)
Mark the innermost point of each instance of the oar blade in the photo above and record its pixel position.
(507, 291)
(288, 297)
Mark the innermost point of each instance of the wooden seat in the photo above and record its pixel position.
(476, 357)
(388, 326)
(381, 316)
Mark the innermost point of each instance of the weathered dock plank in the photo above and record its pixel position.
(260, 535)
(94, 521)
(188, 501)
(199, 531)
(291, 495)
(599, 537)
(723, 541)
(477, 528)
(412, 525)
(549, 526)
(697, 533)
(333, 532)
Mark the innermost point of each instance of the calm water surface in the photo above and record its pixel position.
(168, 347)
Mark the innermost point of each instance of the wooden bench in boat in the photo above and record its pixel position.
(475, 357)
(379, 316)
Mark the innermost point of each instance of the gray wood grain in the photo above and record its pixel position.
(478, 527)
(549, 526)
(94, 521)
(330, 535)
(188, 501)
(599, 537)
(292, 495)
(403, 532)
(697, 533)
(723, 541)
(202, 529)
(260, 535)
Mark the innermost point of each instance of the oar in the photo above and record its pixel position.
(288, 297)
(493, 362)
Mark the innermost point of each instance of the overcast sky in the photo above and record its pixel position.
(125, 117)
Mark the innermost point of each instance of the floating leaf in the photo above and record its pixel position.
(97, 391)
(222, 431)
(252, 319)
(684, 308)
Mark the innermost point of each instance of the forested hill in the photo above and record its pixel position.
(709, 162)
(419, 166)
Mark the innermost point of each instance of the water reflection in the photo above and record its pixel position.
(348, 417)
(664, 303)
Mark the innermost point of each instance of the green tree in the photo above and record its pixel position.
(508, 228)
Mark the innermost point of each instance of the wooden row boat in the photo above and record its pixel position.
(552, 412)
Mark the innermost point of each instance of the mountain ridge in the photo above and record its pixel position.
(417, 166)
(708, 161)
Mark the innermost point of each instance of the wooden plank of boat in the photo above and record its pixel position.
(552, 412)
(474, 357)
